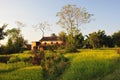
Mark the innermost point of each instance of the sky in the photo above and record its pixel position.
(30, 12)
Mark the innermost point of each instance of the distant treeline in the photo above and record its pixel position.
(97, 39)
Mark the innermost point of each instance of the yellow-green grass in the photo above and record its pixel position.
(85, 65)
(21, 55)
(20, 71)
(92, 65)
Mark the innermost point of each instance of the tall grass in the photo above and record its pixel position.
(20, 71)
(84, 65)
(91, 65)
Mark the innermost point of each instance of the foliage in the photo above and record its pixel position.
(86, 43)
(116, 38)
(4, 59)
(20, 57)
(71, 44)
(53, 35)
(14, 59)
(53, 65)
(79, 40)
(15, 41)
(98, 39)
(63, 36)
(109, 42)
(2, 50)
(2, 32)
(70, 18)
(38, 57)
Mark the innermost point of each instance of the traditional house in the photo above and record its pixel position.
(27, 46)
(47, 41)
(35, 45)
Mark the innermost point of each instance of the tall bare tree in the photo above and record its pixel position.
(42, 26)
(70, 18)
(20, 24)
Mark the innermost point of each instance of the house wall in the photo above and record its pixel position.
(51, 42)
(35, 44)
(39, 45)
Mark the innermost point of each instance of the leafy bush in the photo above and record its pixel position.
(37, 58)
(14, 59)
(2, 50)
(25, 59)
(4, 58)
(53, 65)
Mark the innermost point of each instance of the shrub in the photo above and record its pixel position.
(70, 49)
(25, 59)
(14, 59)
(27, 52)
(4, 59)
(53, 65)
(36, 60)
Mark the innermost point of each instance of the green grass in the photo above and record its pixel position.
(87, 64)
(20, 71)
(92, 65)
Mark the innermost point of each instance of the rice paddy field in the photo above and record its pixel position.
(84, 65)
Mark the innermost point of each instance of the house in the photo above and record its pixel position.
(35, 45)
(46, 42)
(27, 46)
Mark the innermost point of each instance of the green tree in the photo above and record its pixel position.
(86, 43)
(63, 36)
(94, 40)
(79, 40)
(109, 41)
(15, 41)
(70, 18)
(116, 38)
(2, 32)
(53, 35)
(97, 39)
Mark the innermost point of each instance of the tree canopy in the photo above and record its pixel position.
(70, 18)
(116, 38)
(2, 32)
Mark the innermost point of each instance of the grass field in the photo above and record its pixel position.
(84, 65)
(93, 65)
(20, 71)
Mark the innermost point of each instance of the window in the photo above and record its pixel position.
(56, 42)
(51, 42)
(45, 43)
